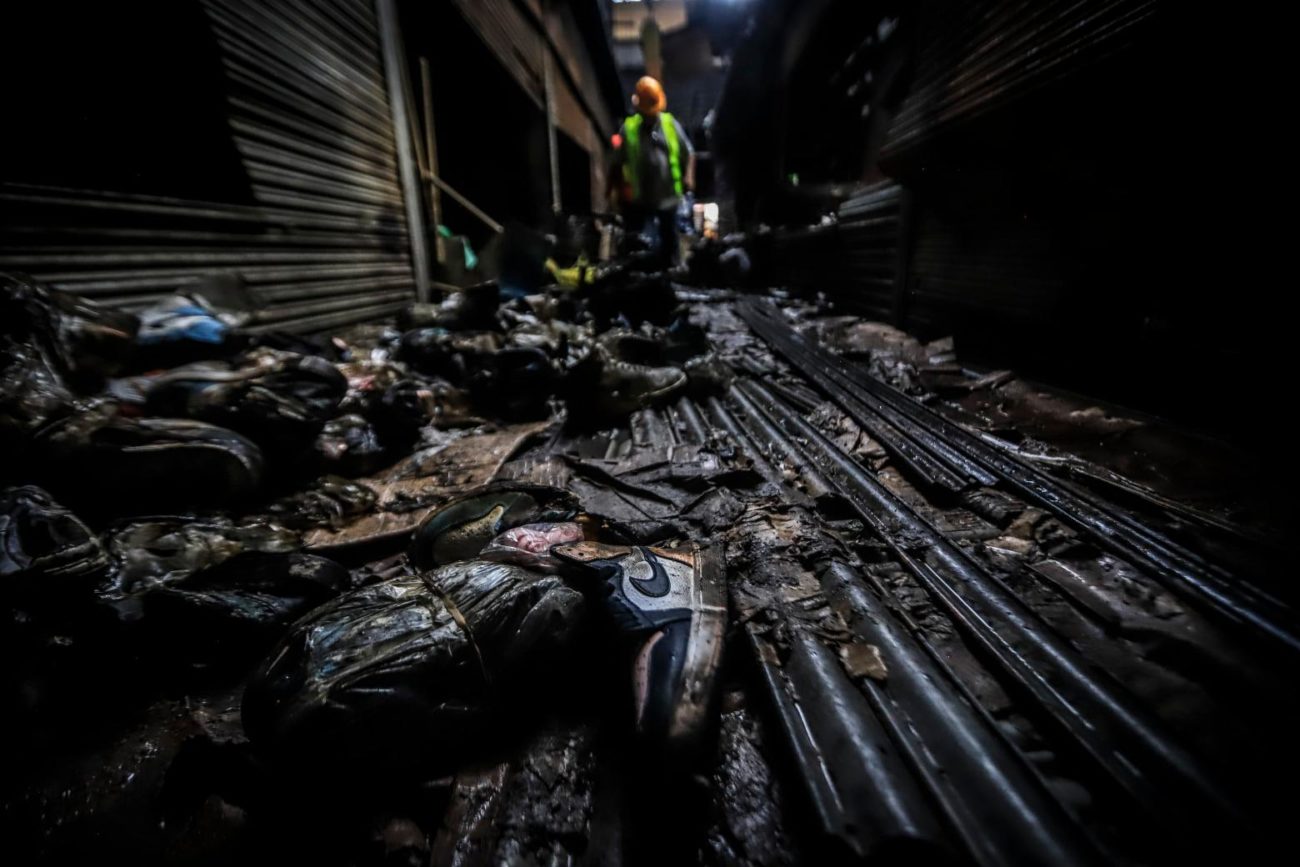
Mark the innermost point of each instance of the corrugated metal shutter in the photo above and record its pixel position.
(325, 243)
(513, 39)
(519, 45)
(987, 263)
(974, 56)
(857, 261)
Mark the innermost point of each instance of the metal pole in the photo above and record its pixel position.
(548, 81)
(395, 73)
(466, 203)
(431, 158)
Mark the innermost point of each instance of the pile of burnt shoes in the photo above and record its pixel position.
(593, 349)
(152, 518)
(417, 668)
(87, 411)
(134, 488)
(503, 591)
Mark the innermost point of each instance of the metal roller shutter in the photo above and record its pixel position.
(858, 261)
(325, 241)
(517, 38)
(975, 56)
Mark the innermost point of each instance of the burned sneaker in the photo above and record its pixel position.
(278, 399)
(622, 371)
(625, 387)
(707, 375)
(633, 347)
(39, 539)
(404, 409)
(81, 340)
(350, 446)
(514, 383)
(462, 527)
(226, 610)
(470, 308)
(412, 674)
(101, 460)
(672, 603)
(330, 502)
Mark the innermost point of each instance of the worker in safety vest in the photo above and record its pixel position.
(654, 165)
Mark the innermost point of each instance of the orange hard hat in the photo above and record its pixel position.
(649, 97)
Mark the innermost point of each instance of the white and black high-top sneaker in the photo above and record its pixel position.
(673, 604)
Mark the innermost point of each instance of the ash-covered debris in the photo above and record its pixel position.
(593, 577)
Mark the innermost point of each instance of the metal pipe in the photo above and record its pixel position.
(992, 797)
(814, 483)
(1237, 603)
(693, 420)
(1105, 723)
(548, 83)
(738, 435)
(895, 430)
(866, 803)
(431, 159)
(395, 65)
(466, 203)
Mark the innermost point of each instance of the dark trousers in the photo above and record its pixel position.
(635, 218)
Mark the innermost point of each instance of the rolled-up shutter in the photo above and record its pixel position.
(324, 242)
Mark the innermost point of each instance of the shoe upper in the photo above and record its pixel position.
(645, 588)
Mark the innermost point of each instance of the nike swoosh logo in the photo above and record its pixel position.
(655, 583)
